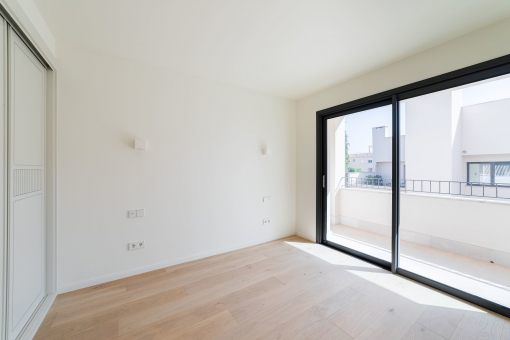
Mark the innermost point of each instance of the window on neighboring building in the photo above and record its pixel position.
(353, 160)
(369, 169)
(362, 161)
(489, 173)
(369, 161)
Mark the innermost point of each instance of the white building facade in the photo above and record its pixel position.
(444, 141)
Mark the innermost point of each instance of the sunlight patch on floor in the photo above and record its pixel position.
(384, 279)
(413, 291)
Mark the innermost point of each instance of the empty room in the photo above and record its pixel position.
(255, 169)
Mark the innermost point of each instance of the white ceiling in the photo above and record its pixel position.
(289, 48)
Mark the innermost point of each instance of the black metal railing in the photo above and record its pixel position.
(457, 188)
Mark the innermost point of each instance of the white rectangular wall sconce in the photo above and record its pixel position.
(266, 151)
(139, 144)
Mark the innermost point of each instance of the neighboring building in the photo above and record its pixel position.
(363, 161)
(471, 144)
(378, 161)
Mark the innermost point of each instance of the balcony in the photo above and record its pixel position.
(458, 238)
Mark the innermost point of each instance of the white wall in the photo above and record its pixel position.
(428, 137)
(336, 159)
(485, 128)
(484, 44)
(381, 143)
(473, 222)
(385, 170)
(201, 180)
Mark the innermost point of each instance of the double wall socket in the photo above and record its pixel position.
(136, 245)
(136, 213)
(266, 221)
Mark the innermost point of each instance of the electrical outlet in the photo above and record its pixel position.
(136, 213)
(136, 245)
(266, 199)
(266, 221)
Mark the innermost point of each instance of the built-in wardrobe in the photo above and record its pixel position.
(23, 97)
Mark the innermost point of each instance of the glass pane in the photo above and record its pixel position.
(502, 173)
(456, 149)
(359, 181)
(479, 173)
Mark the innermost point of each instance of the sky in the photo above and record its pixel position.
(359, 125)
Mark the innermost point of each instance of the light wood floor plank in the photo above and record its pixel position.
(332, 332)
(224, 258)
(395, 322)
(101, 286)
(88, 298)
(441, 320)
(285, 289)
(358, 315)
(76, 326)
(479, 325)
(156, 314)
(505, 335)
(175, 322)
(206, 329)
(310, 324)
(270, 266)
(273, 317)
(105, 331)
(245, 313)
(418, 332)
(89, 308)
(172, 279)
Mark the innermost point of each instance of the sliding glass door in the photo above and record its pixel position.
(417, 180)
(359, 173)
(455, 205)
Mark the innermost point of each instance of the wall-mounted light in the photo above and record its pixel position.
(266, 151)
(139, 144)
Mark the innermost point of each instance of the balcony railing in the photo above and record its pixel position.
(456, 188)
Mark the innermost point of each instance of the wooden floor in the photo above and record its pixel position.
(488, 280)
(286, 289)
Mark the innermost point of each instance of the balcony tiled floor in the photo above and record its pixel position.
(488, 280)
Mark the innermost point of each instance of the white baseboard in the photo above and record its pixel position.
(36, 321)
(145, 269)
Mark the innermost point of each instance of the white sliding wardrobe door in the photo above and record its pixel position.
(26, 221)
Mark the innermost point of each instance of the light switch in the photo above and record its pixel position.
(266, 199)
(132, 213)
(140, 144)
(140, 213)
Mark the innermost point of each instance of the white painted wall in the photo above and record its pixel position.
(483, 224)
(456, 135)
(381, 142)
(384, 169)
(485, 128)
(201, 179)
(336, 161)
(428, 137)
(487, 43)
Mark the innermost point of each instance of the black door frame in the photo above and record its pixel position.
(478, 72)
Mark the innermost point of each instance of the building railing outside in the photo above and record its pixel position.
(457, 188)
